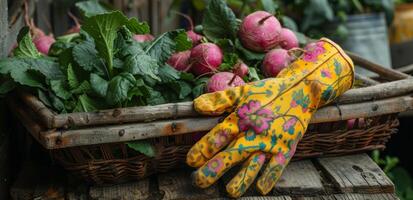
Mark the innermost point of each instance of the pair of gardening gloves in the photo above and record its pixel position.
(267, 119)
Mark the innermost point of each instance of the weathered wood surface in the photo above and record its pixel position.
(366, 79)
(390, 74)
(356, 173)
(259, 198)
(300, 177)
(381, 91)
(185, 109)
(131, 191)
(120, 133)
(178, 185)
(354, 197)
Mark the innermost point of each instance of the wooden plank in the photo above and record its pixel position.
(380, 91)
(185, 109)
(354, 197)
(178, 185)
(138, 131)
(300, 178)
(128, 191)
(259, 198)
(356, 173)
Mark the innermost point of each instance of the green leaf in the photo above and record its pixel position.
(44, 97)
(143, 147)
(269, 6)
(137, 62)
(59, 88)
(289, 23)
(103, 29)
(163, 46)
(99, 85)
(229, 61)
(57, 103)
(30, 71)
(186, 76)
(25, 48)
(87, 57)
(168, 74)
(86, 104)
(7, 86)
(119, 87)
(154, 97)
(219, 21)
(67, 38)
(72, 79)
(248, 55)
(252, 74)
(183, 42)
(137, 27)
(91, 7)
(84, 87)
(200, 86)
(182, 88)
(316, 13)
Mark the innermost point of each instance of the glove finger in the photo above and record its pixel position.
(246, 176)
(272, 173)
(217, 103)
(219, 137)
(211, 171)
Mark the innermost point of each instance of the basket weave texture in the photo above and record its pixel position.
(115, 163)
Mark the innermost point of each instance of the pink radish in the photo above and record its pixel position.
(43, 43)
(40, 39)
(205, 58)
(180, 60)
(241, 69)
(195, 37)
(143, 37)
(222, 81)
(288, 39)
(260, 31)
(274, 61)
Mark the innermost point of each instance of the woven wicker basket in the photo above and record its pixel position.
(92, 145)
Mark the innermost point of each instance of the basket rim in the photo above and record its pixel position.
(62, 138)
(52, 120)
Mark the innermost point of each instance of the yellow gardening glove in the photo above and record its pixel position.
(268, 118)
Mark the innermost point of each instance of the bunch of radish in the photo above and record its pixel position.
(259, 32)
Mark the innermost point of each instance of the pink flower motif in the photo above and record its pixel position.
(293, 103)
(253, 116)
(325, 73)
(290, 123)
(280, 158)
(216, 165)
(222, 138)
(312, 51)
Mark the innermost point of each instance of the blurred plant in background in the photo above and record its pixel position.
(401, 178)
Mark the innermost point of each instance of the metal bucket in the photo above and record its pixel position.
(368, 38)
